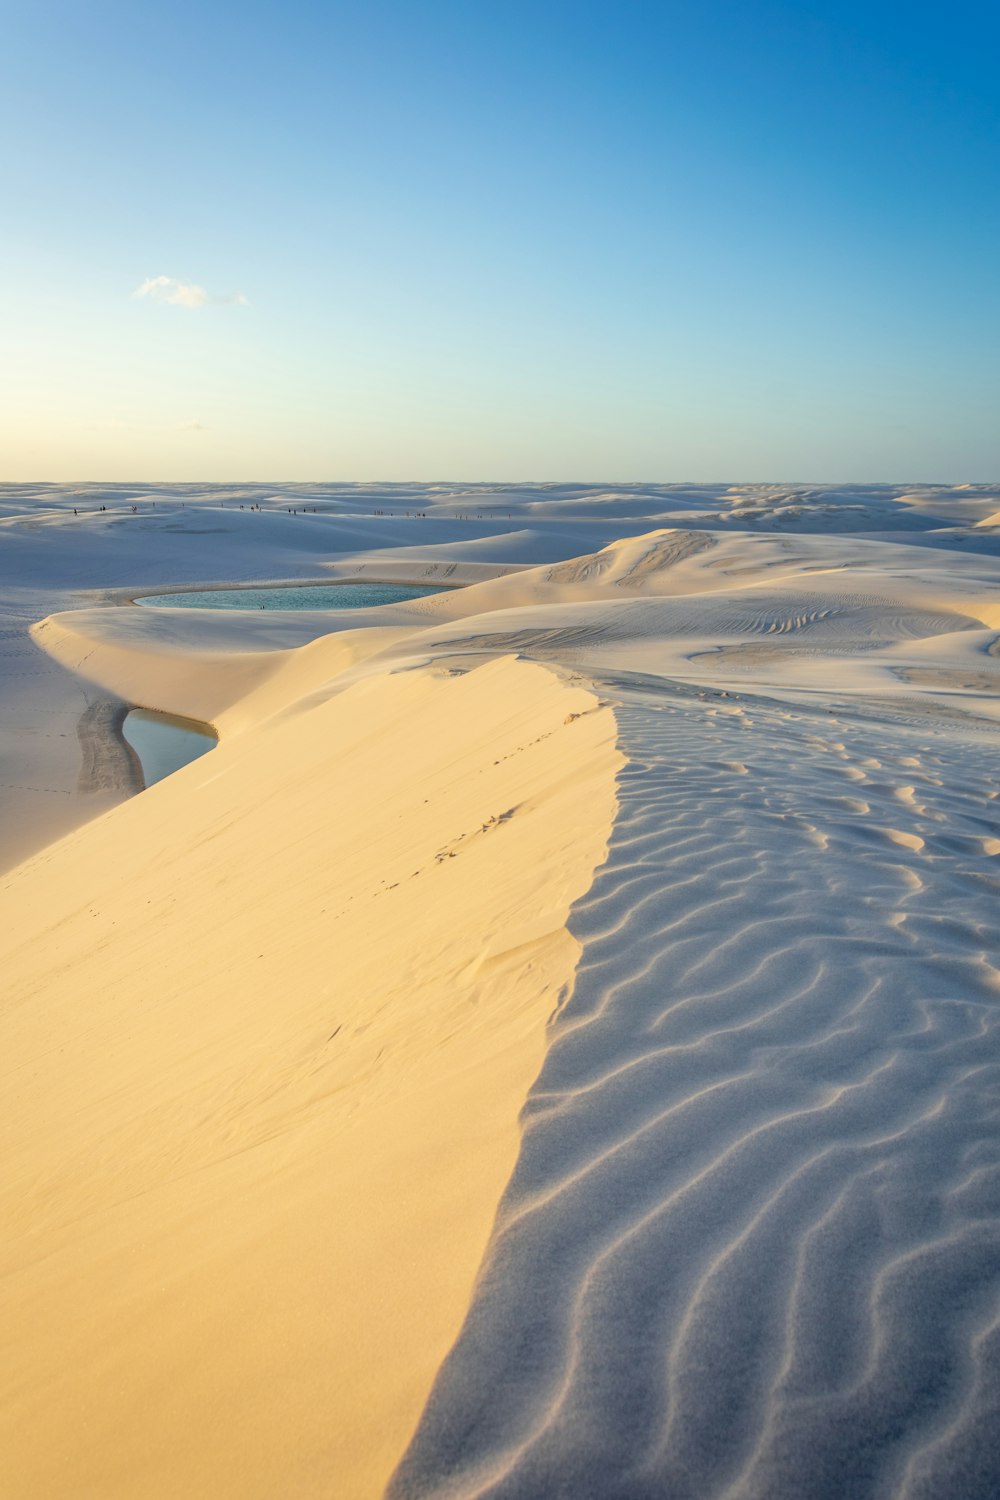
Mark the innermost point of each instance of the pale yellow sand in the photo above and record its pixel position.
(268, 1029)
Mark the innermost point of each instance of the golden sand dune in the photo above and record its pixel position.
(549, 1047)
(262, 1080)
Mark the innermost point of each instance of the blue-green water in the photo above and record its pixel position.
(306, 596)
(164, 743)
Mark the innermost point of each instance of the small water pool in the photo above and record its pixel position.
(305, 596)
(164, 743)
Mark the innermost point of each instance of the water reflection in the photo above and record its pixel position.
(164, 743)
(305, 596)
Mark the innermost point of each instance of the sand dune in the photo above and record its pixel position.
(750, 1247)
(550, 1046)
(262, 1027)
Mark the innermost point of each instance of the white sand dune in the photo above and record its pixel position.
(550, 1046)
(750, 1246)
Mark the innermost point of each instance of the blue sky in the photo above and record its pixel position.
(500, 241)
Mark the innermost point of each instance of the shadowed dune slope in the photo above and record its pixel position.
(750, 1246)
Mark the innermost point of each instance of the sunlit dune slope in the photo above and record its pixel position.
(266, 1034)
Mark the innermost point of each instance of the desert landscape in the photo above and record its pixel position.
(547, 1046)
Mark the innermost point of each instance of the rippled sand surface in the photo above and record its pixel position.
(750, 1247)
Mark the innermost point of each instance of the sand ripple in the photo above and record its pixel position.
(751, 1246)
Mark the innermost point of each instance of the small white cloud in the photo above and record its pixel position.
(183, 293)
(192, 427)
(169, 289)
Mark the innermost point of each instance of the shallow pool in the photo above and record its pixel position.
(304, 596)
(164, 743)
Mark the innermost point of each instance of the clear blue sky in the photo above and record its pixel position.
(498, 241)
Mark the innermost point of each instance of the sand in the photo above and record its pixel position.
(549, 1046)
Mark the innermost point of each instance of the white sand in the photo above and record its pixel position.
(268, 1028)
